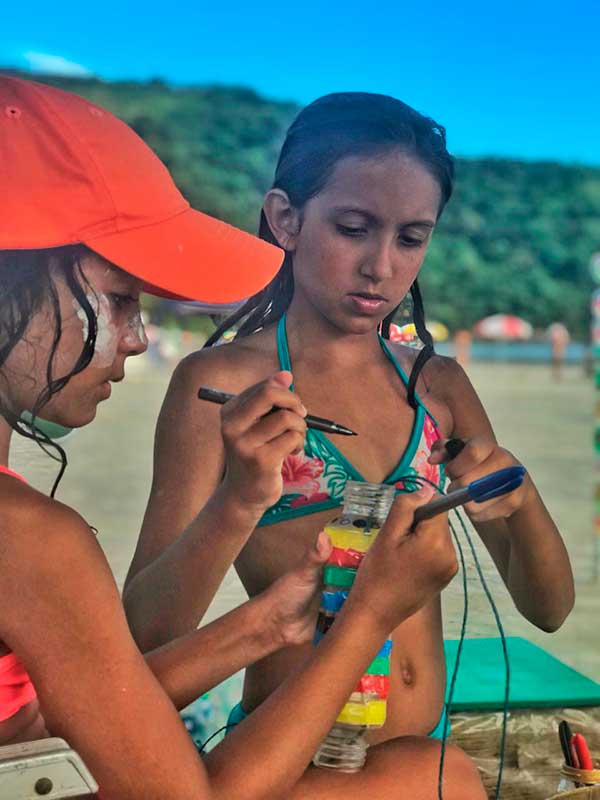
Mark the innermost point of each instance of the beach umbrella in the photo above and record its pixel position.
(503, 326)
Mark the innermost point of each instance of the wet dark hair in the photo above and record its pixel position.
(26, 284)
(329, 129)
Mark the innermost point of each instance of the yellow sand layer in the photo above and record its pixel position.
(350, 538)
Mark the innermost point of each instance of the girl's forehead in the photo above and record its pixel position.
(379, 183)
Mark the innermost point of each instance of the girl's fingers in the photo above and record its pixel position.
(283, 377)
(443, 451)
(471, 457)
(316, 555)
(239, 414)
(275, 451)
(259, 399)
(497, 508)
(271, 427)
(497, 459)
(438, 452)
(323, 547)
(400, 519)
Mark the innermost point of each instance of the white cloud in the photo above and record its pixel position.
(54, 65)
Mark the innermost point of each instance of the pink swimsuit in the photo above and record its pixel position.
(16, 689)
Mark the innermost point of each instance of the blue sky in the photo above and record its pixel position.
(518, 79)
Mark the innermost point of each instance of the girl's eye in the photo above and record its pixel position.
(408, 241)
(348, 230)
(122, 300)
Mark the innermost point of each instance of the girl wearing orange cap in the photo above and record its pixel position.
(90, 218)
(360, 184)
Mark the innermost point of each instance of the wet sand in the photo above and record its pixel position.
(548, 425)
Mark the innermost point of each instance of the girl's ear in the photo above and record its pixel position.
(284, 220)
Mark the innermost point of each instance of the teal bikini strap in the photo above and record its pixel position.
(283, 351)
(283, 354)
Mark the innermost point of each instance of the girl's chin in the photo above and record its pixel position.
(75, 407)
(359, 323)
(347, 318)
(68, 419)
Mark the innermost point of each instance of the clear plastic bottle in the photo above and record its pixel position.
(366, 505)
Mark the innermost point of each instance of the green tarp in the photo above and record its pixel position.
(537, 679)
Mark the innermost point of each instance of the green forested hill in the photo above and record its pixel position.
(516, 237)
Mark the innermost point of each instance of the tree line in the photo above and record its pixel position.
(516, 237)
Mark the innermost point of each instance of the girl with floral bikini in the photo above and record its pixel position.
(361, 182)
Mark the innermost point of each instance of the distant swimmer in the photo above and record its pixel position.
(560, 337)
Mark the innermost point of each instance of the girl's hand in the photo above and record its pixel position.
(257, 442)
(404, 569)
(292, 602)
(481, 456)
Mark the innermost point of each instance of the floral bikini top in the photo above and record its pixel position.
(314, 480)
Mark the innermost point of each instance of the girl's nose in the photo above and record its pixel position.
(379, 265)
(135, 341)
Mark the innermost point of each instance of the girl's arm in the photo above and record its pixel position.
(182, 555)
(517, 529)
(62, 616)
(281, 616)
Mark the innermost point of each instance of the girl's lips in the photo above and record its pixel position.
(367, 305)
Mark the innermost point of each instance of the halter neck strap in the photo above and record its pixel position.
(283, 353)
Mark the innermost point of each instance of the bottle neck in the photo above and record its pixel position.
(368, 501)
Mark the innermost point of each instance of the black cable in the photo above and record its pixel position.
(419, 480)
(216, 733)
(448, 702)
(30, 430)
(500, 627)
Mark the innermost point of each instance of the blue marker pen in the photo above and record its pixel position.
(493, 485)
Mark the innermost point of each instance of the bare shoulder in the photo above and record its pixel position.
(231, 367)
(47, 552)
(445, 378)
(187, 426)
(433, 382)
(445, 389)
(43, 530)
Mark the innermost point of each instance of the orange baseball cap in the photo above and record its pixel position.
(71, 172)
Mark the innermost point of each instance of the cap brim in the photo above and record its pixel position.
(193, 256)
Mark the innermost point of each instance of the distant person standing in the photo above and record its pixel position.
(462, 346)
(559, 339)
